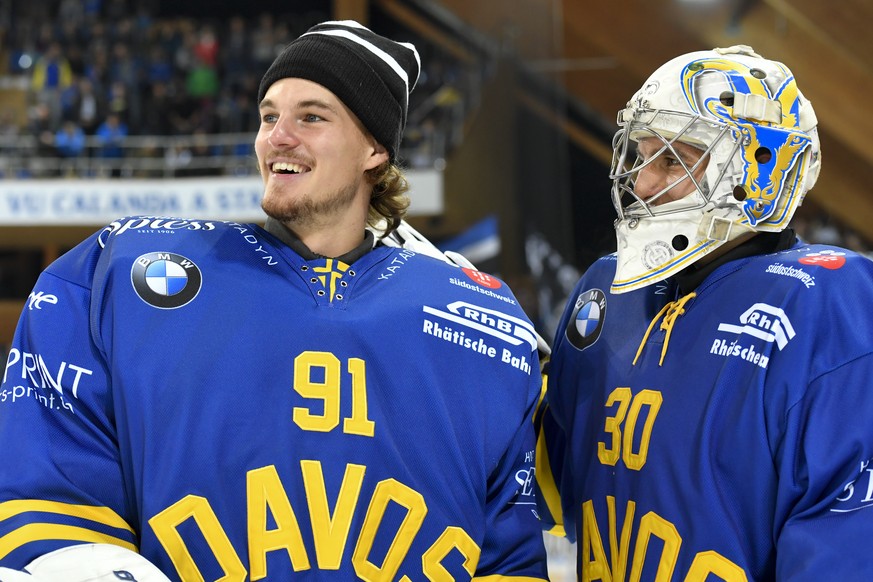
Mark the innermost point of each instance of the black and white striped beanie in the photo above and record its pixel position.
(371, 74)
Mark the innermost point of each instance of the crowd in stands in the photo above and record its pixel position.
(111, 80)
(101, 71)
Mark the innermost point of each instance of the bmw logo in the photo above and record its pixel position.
(165, 280)
(586, 323)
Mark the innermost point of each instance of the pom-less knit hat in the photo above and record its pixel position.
(371, 75)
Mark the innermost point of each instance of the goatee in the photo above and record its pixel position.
(305, 210)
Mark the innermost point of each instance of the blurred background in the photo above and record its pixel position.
(111, 108)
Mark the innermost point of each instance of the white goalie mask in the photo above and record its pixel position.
(758, 150)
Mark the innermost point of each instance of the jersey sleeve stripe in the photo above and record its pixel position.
(549, 490)
(37, 532)
(102, 515)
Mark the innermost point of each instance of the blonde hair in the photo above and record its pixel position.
(388, 201)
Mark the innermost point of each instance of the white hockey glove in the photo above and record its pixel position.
(87, 563)
(406, 237)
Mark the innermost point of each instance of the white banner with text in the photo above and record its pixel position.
(100, 201)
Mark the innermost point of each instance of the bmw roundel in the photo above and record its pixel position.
(165, 280)
(586, 323)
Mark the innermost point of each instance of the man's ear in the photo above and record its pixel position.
(378, 156)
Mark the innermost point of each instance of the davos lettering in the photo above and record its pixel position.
(653, 534)
(333, 539)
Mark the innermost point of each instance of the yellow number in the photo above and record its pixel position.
(653, 400)
(359, 423)
(621, 443)
(613, 426)
(327, 390)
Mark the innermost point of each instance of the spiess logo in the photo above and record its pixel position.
(165, 280)
(150, 224)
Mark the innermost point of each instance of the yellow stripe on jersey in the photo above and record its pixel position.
(40, 530)
(548, 488)
(34, 532)
(545, 478)
(96, 513)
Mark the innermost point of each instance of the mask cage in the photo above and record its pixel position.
(668, 128)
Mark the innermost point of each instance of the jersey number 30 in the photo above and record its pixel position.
(624, 421)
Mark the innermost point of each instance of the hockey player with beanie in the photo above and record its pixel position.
(206, 400)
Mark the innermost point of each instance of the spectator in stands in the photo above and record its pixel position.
(202, 82)
(235, 50)
(84, 105)
(125, 70)
(97, 71)
(111, 135)
(50, 69)
(51, 74)
(158, 66)
(159, 111)
(207, 47)
(118, 100)
(204, 156)
(39, 125)
(69, 142)
(263, 42)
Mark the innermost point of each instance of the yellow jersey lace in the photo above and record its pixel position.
(669, 312)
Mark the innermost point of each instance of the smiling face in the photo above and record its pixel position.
(312, 154)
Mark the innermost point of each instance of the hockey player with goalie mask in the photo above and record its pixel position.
(709, 395)
(715, 147)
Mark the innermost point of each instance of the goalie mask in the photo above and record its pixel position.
(735, 145)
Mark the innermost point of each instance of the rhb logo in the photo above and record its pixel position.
(765, 322)
(510, 329)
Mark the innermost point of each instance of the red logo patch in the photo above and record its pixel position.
(483, 279)
(827, 259)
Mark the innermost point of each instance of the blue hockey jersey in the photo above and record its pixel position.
(199, 392)
(732, 439)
